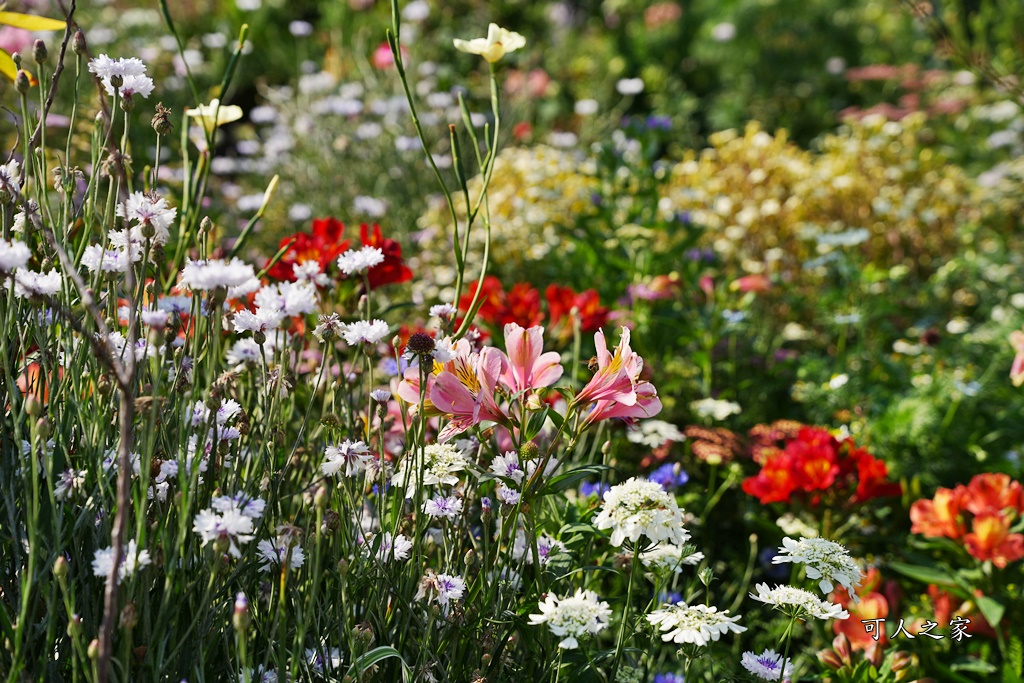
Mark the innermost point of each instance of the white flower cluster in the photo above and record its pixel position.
(797, 602)
(642, 508)
(148, 210)
(235, 275)
(573, 617)
(441, 462)
(352, 456)
(696, 624)
(668, 557)
(825, 560)
(547, 546)
(274, 553)
(15, 255)
(356, 261)
(654, 433)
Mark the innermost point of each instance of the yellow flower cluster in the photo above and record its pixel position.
(534, 193)
(767, 203)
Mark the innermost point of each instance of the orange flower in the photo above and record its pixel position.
(991, 539)
(989, 493)
(872, 606)
(940, 516)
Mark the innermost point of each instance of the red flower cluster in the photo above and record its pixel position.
(993, 502)
(522, 305)
(814, 464)
(325, 243)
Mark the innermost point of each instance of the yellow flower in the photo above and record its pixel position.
(206, 112)
(494, 46)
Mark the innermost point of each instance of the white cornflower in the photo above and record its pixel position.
(448, 507)
(444, 350)
(28, 283)
(275, 553)
(354, 261)
(131, 559)
(96, 258)
(310, 271)
(767, 665)
(508, 496)
(155, 319)
(330, 327)
(363, 331)
(260, 321)
(148, 210)
(324, 658)
(288, 298)
(244, 504)
(246, 351)
(577, 616)
(351, 456)
(441, 462)
(10, 188)
(825, 560)
(642, 508)
(498, 42)
(13, 255)
(798, 602)
(508, 466)
(443, 311)
(104, 67)
(69, 480)
(394, 547)
(231, 528)
(235, 275)
(670, 557)
(442, 588)
(696, 624)
(381, 396)
(546, 547)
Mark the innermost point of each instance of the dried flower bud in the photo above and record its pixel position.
(420, 344)
(129, 616)
(162, 120)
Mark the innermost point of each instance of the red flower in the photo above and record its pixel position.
(392, 270)
(561, 302)
(814, 455)
(775, 483)
(323, 245)
(521, 305)
(872, 474)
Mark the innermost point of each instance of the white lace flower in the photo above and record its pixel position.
(576, 616)
(642, 508)
(351, 456)
(131, 559)
(654, 433)
(13, 255)
(670, 557)
(767, 665)
(354, 261)
(448, 507)
(441, 462)
(825, 560)
(363, 331)
(275, 553)
(696, 624)
(798, 602)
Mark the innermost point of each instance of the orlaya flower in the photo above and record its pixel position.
(528, 366)
(617, 374)
(467, 394)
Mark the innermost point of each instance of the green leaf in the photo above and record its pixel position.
(564, 481)
(375, 655)
(924, 574)
(31, 23)
(974, 666)
(991, 609)
(535, 424)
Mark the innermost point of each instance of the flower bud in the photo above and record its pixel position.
(830, 659)
(240, 619)
(321, 498)
(534, 403)
(205, 225)
(16, 58)
(529, 451)
(901, 660)
(22, 83)
(74, 626)
(874, 654)
(94, 649)
(32, 406)
(127, 102)
(260, 337)
(162, 120)
(841, 644)
(78, 43)
(39, 52)
(129, 616)
(43, 428)
(60, 567)
(116, 81)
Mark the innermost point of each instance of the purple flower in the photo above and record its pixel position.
(596, 489)
(668, 477)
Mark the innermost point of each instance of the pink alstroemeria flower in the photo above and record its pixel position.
(528, 366)
(409, 387)
(617, 373)
(466, 393)
(647, 405)
(1017, 369)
